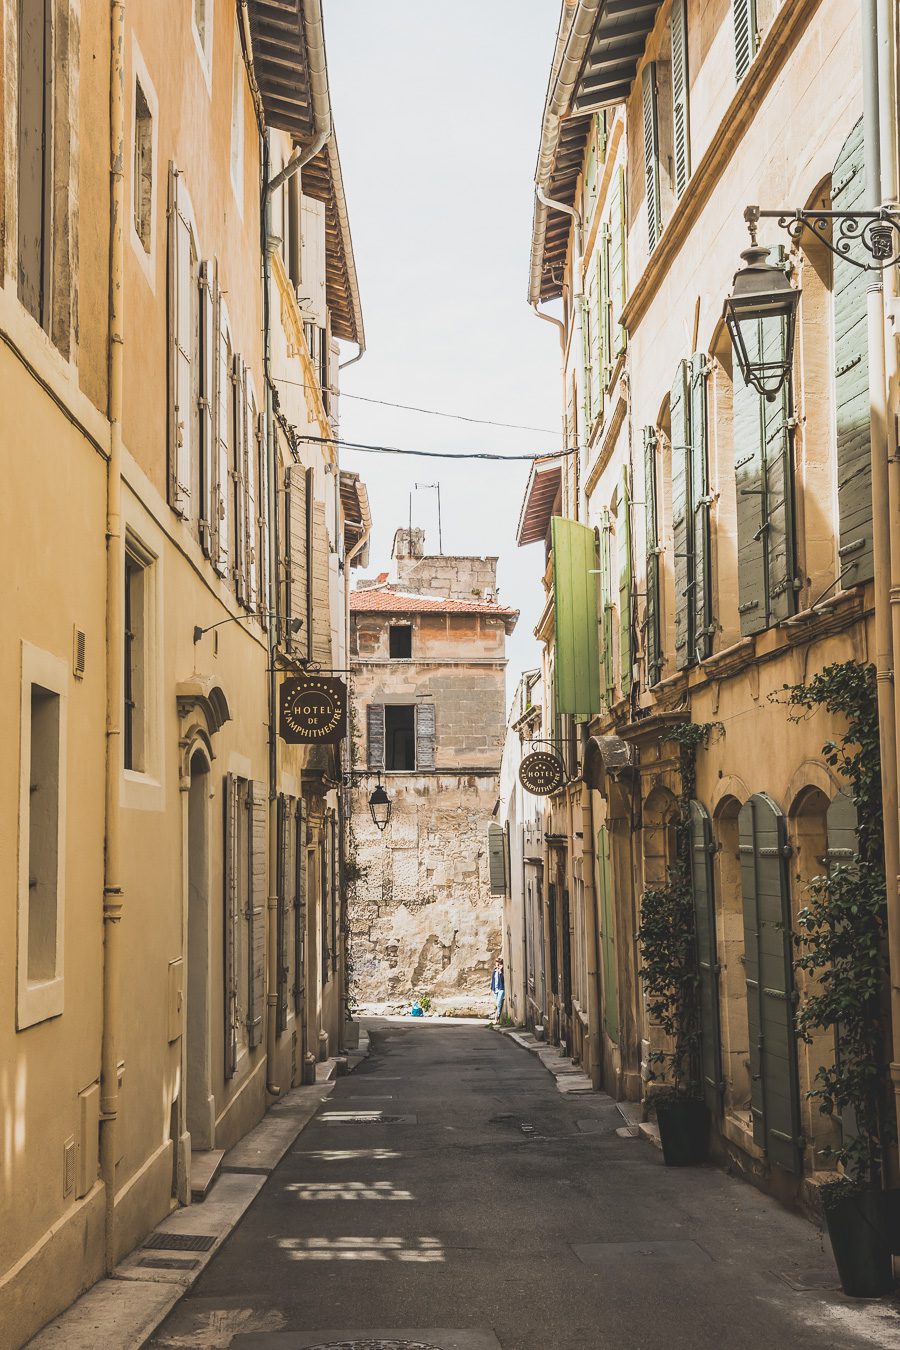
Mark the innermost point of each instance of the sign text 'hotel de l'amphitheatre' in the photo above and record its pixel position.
(313, 710)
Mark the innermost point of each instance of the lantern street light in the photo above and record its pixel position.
(761, 298)
(380, 807)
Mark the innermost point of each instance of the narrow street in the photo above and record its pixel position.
(447, 1195)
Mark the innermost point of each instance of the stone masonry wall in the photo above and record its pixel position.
(422, 919)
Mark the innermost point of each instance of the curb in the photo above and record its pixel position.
(126, 1308)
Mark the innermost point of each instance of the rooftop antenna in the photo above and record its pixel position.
(435, 487)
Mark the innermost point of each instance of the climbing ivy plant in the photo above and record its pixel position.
(667, 933)
(841, 935)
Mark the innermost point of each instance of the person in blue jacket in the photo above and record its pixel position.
(498, 988)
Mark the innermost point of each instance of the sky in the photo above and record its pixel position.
(437, 109)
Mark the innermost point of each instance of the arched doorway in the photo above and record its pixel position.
(199, 1102)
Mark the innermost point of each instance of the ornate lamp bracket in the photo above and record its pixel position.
(845, 233)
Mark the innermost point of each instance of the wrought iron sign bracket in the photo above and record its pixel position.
(877, 231)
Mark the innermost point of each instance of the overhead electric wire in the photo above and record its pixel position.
(434, 454)
(429, 412)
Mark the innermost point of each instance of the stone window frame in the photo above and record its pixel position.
(40, 999)
(140, 75)
(204, 41)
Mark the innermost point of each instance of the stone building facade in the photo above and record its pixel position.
(427, 654)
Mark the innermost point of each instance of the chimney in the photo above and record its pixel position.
(409, 545)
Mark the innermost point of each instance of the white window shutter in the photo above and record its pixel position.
(224, 413)
(425, 733)
(262, 526)
(651, 154)
(375, 737)
(311, 291)
(208, 351)
(180, 341)
(680, 119)
(240, 484)
(256, 916)
(250, 487)
(745, 42)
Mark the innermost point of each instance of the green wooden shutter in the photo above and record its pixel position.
(584, 303)
(842, 821)
(779, 485)
(652, 645)
(750, 487)
(705, 927)
(851, 374)
(616, 252)
(496, 860)
(680, 118)
(745, 41)
(609, 972)
(651, 154)
(577, 663)
(626, 652)
(256, 915)
(608, 677)
(282, 907)
(701, 594)
(606, 336)
(769, 973)
(679, 411)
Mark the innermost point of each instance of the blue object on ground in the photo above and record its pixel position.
(416, 1010)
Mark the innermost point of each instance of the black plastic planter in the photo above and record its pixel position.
(683, 1130)
(860, 1239)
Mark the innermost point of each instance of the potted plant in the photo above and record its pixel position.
(671, 982)
(841, 939)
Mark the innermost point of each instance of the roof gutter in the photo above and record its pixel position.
(567, 62)
(314, 33)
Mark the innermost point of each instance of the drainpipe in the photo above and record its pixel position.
(113, 889)
(272, 1086)
(886, 557)
(591, 938)
(579, 505)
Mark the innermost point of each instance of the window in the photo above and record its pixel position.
(202, 18)
(746, 39)
(237, 124)
(401, 641)
(41, 836)
(134, 717)
(400, 738)
(143, 167)
(690, 513)
(651, 154)
(35, 158)
(184, 351)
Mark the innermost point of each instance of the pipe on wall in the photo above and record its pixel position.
(113, 888)
(578, 506)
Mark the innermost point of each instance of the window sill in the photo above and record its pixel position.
(39, 1001)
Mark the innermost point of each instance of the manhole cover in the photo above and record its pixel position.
(180, 1242)
(373, 1345)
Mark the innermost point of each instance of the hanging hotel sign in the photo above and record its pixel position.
(542, 774)
(313, 710)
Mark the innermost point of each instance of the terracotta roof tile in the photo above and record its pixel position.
(381, 600)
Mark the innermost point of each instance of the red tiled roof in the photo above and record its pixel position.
(381, 600)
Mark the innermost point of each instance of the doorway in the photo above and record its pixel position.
(199, 1101)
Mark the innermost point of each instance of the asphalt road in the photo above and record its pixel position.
(447, 1195)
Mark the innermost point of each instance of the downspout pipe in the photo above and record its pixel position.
(578, 505)
(879, 127)
(113, 887)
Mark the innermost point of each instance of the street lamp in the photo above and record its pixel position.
(380, 807)
(762, 297)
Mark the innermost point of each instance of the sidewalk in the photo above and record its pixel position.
(123, 1310)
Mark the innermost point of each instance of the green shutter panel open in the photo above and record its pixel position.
(680, 96)
(701, 573)
(744, 36)
(707, 960)
(751, 514)
(256, 915)
(584, 302)
(609, 973)
(841, 823)
(496, 860)
(851, 375)
(651, 154)
(652, 645)
(282, 881)
(230, 921)
(769, 973)
(608, 677)
(779, 484)
(575, 603)
(679, 411)
(617, 261)
(626, 654)
(375, 735)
